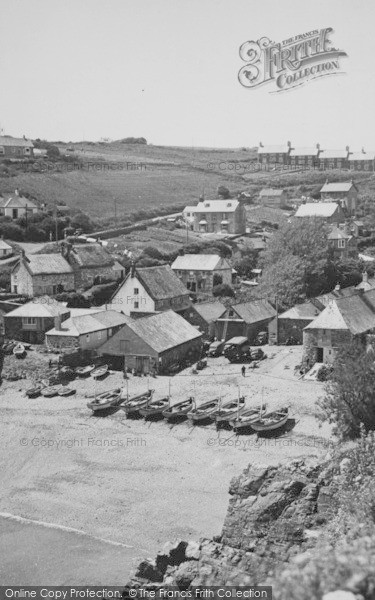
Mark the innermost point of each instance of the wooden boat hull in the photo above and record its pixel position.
(178, 410)
(262, 425)
(66, 391)
(105, 401)
(50, 392)
(203, 412)
(228, 411)
(133, 405)
(33, 392)
(245, 420)
(100, 372)
(153, 409)
(84, 371)
(19, 351)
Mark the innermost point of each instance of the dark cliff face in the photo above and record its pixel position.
(273, 514)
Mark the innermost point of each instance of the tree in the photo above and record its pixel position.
(217, 280)
(246, 264)
(82, 221)
(350, 393)
(284, 280)
(223, 192)
(223, 290)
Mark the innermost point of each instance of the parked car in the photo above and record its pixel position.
(216, 348)
(235, 345)
(257, 354)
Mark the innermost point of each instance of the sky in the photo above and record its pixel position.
(167, 70)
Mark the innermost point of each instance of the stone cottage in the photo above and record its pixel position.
(39, 274)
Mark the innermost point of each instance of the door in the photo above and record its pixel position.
(319, 355)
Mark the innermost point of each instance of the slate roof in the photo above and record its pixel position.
(338, 234)
(7, 140)
(225, 206)
(209, 311)
(43, 306)
(317, 209)
(161, 282)
(47, 264)
(199, 262)
(161, 331)
(336, 294)
(252, 312)
(89, 323)
(355, 313)
(304, 311)
(273, 149)
(4, 245)
(90, 256)
(343, 186)
(362, 156)
(271, 192)
(333, 154)
(15, 201)
(304, 152)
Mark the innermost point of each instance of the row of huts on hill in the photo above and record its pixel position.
(316, 157)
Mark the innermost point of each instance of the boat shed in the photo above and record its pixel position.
(153, 343)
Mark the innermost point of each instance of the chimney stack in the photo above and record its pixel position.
(58, 322)
(132, 269)
(337, 287)
(364, 277)
(16, 192)
(260, 144)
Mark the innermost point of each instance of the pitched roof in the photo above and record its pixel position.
(304, 151)
(209, 311)
(333, 154)
(362, 156)
(4, 245)
(200, 262)
(338, 234)
(89, 323)
(335, 294)
(270, 192)
(355, 313)
(160, 282)
(43, 306)
(162, 331)
(7, 140)
(45, 264)
(304, 311)
(317, 209)
(15, 201)
(340, 186)
(252, 312)
(90, 256)
(273, 149)
(225, 206)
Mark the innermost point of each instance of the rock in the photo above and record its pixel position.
(339, 595)
(185, 574)
(175, 552)
(193, 550)
(147, 569)
(344, 466)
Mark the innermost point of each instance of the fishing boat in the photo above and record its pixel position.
(33, 392)
(134, 404)
(50, 391)
(66, 391)
(271, 421)
(155, 408)
(100, 372)
(19, 351)
(178, 410)
(246, 418)
(106, 400)
(203, 412)
(228, 410)
(84, 371)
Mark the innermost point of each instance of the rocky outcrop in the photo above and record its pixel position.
(274, 514)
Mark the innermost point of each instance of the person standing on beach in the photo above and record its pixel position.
(243, 370)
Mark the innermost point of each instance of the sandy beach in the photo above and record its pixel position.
(84, 480)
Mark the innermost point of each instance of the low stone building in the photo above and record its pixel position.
(91, 264)
(29, 322)
(5, 249)
(279, 155)
(220, 216)
(199, 271)
(11, 147)
(305, 157)
(154, 343)
(345, 192)
(203, 315)
(289, 326)
(341, 321)
(244, 319)
(334, 159)
(342, 244)
(330, 212)
(85, 331)
(274, 198)
(362, 161)
(16, 206)
(39, 274)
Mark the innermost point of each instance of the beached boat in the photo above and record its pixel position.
(67, 372)
(84, 371)
(33, 392)
(228, 410)
(50, 391)
(178, 410)
(106, 400)
(134, 404)
(155, 408)
(246, 418)
(203, 412)
(271, 421)
(19, 351)
(100, 372)
(66, 391)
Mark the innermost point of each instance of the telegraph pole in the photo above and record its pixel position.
(56, 227)
(115, 202)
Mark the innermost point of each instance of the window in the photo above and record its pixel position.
(15, 289)
(136, 304)
(87, 337)
(29, 320)
(2, 151)
(136, 291)
(341, 243)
